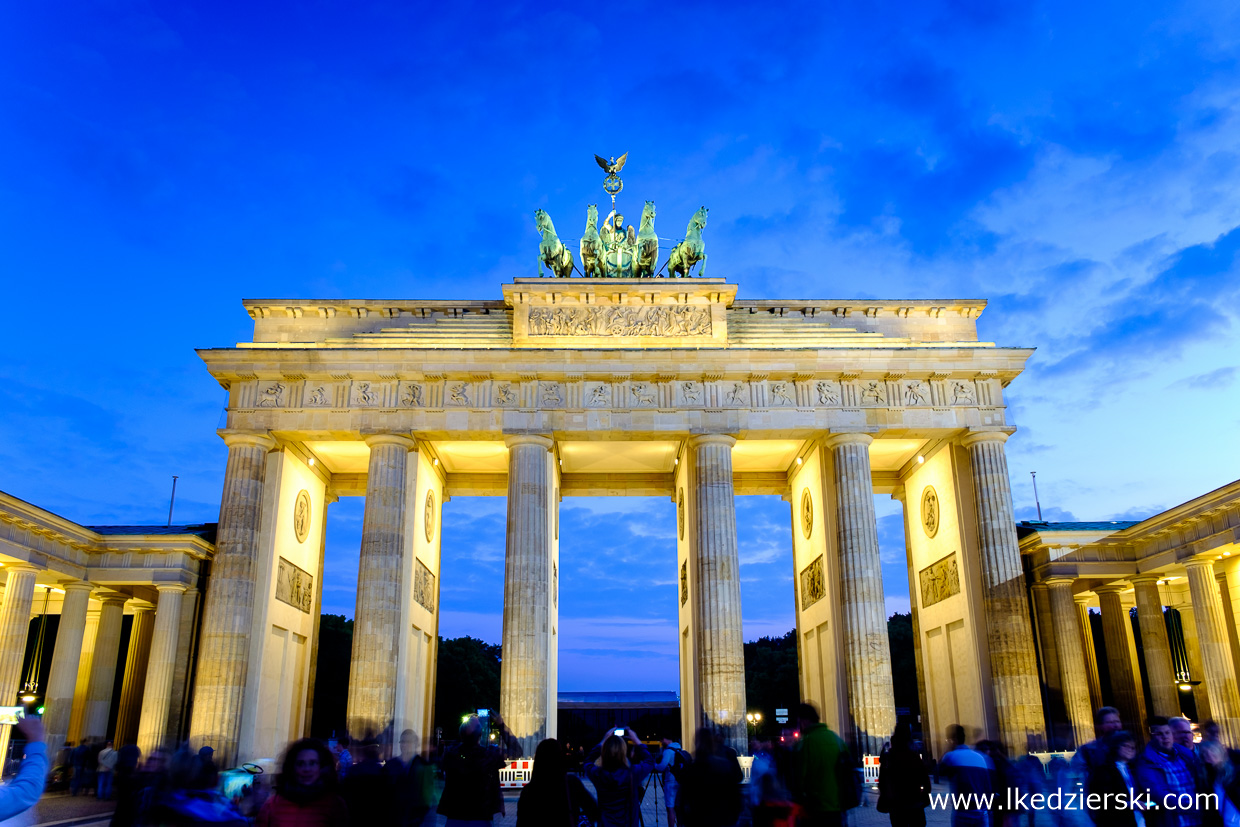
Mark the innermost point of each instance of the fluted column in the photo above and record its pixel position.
(103, 667)
(1043, 623)
(376, 621)
(1091, 653)
(1229, 616)
(867, 650)
(81, 691)
(1117, 635)
(1009, 634)
(1157, 648)
(1201, 693)
(161, 663)
(720, 638)
(1073, 674)
(1220, 676)
(228, 617)
(524, 685)
(66, 658)
(134, 680)
(14, 626)
(186, 640)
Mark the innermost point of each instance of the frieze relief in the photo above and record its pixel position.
(663, 321)
(424, 587)
(294, 586)
(813, 584)
(939, 581)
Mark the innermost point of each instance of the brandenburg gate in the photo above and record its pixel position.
(617, 386)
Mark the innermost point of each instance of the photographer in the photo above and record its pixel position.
(618, 777)
(21, 793)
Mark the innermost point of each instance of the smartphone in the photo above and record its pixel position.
(11, 714)
(619, 732)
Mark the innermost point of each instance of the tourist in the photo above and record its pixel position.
(553, 797)
(20, 793)
(1167, 772)
(970, 773)
(823, 779)
(1096, 754)
(769, 800)
(618, 778)
(106, 765)
(673, 761)
(344, 759)
(412, 779)
(471, 794)
(367, 790)
(1224, 782)
(1113, 780)
(903, 783)
(306, 790)
(210, 772)
(78, 759)
(185, 795)
(710, 788)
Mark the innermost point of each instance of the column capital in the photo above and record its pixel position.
(1083, 598)
(1110, 588)
(402, 440)
(513, 440)
(711, 439)
(1041, 584)
(260, 439)
(179, 588)
(976, 437)
(1199, 561)
(1059, 579)
(847, 438)
(1145, 577)
(77, 586)
(19, 567)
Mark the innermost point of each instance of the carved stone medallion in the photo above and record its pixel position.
(807, 513)
(428, 516)
(930, 515)
(680, 514)
(301, 516)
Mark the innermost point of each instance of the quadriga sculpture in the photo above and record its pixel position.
(690, 251)
(551, 251)
(647, 245)
(592, 250)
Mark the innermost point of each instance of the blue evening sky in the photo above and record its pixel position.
(1074, 163)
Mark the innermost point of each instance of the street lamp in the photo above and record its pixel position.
(754, 718)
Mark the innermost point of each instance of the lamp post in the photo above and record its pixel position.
(754, 719)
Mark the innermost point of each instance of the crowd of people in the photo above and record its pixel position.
(1163, 777)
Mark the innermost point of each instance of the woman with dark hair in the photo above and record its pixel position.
(903, 783)
(553, 797)
(1114, 777)
(618, 779)
(305, 794)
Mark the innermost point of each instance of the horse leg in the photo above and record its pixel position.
(702, 267)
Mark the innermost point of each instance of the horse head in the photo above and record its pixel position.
(592, 217)
(648, 214)
(699, 217)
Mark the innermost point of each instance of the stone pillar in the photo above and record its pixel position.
(1219, 675)
(66, 657)
(161, 663)
(717, 613)
(1073, 675)
(1229, 616)
(134, 680)
(376, 621)
(1091, 652)
(81, 690)
(1157, 648)
(1201, 693)
(103, 667)
(228, 616)
(1042, 623)
(14, 626)
(1009, 634)
(186, 642)
(867, 651)
(1117, 635)
(524, 671)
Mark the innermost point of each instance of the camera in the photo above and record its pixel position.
(618, 731)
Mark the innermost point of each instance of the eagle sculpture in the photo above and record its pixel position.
(613, 166)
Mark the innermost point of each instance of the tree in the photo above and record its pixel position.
(331, 676)
(467, 680)
(771, 677)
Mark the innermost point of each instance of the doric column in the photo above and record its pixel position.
(103, 667)
(524, 685)
(81, 691)
(867, 651)
(228, 617)
(134, 680)
(1157, 648)
(1013, 668)
(1229, 616)
(161, 663)
(1044, 625)
(14, 625)
(1192, 648)
(1219, 675)
(376, 620)
(66, 657)
(1117, 635)
(720, 647)
(1073, 675)
(1091, 653)
(186, 640)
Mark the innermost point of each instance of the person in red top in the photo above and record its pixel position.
(306, 791)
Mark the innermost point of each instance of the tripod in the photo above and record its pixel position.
(640, 816)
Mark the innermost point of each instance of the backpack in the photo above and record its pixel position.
(680, 762)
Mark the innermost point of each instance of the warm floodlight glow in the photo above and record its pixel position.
(311, 462)
(436, 462)
(1184, 687)
(28, 699)
(920, 459)
(799, 460)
